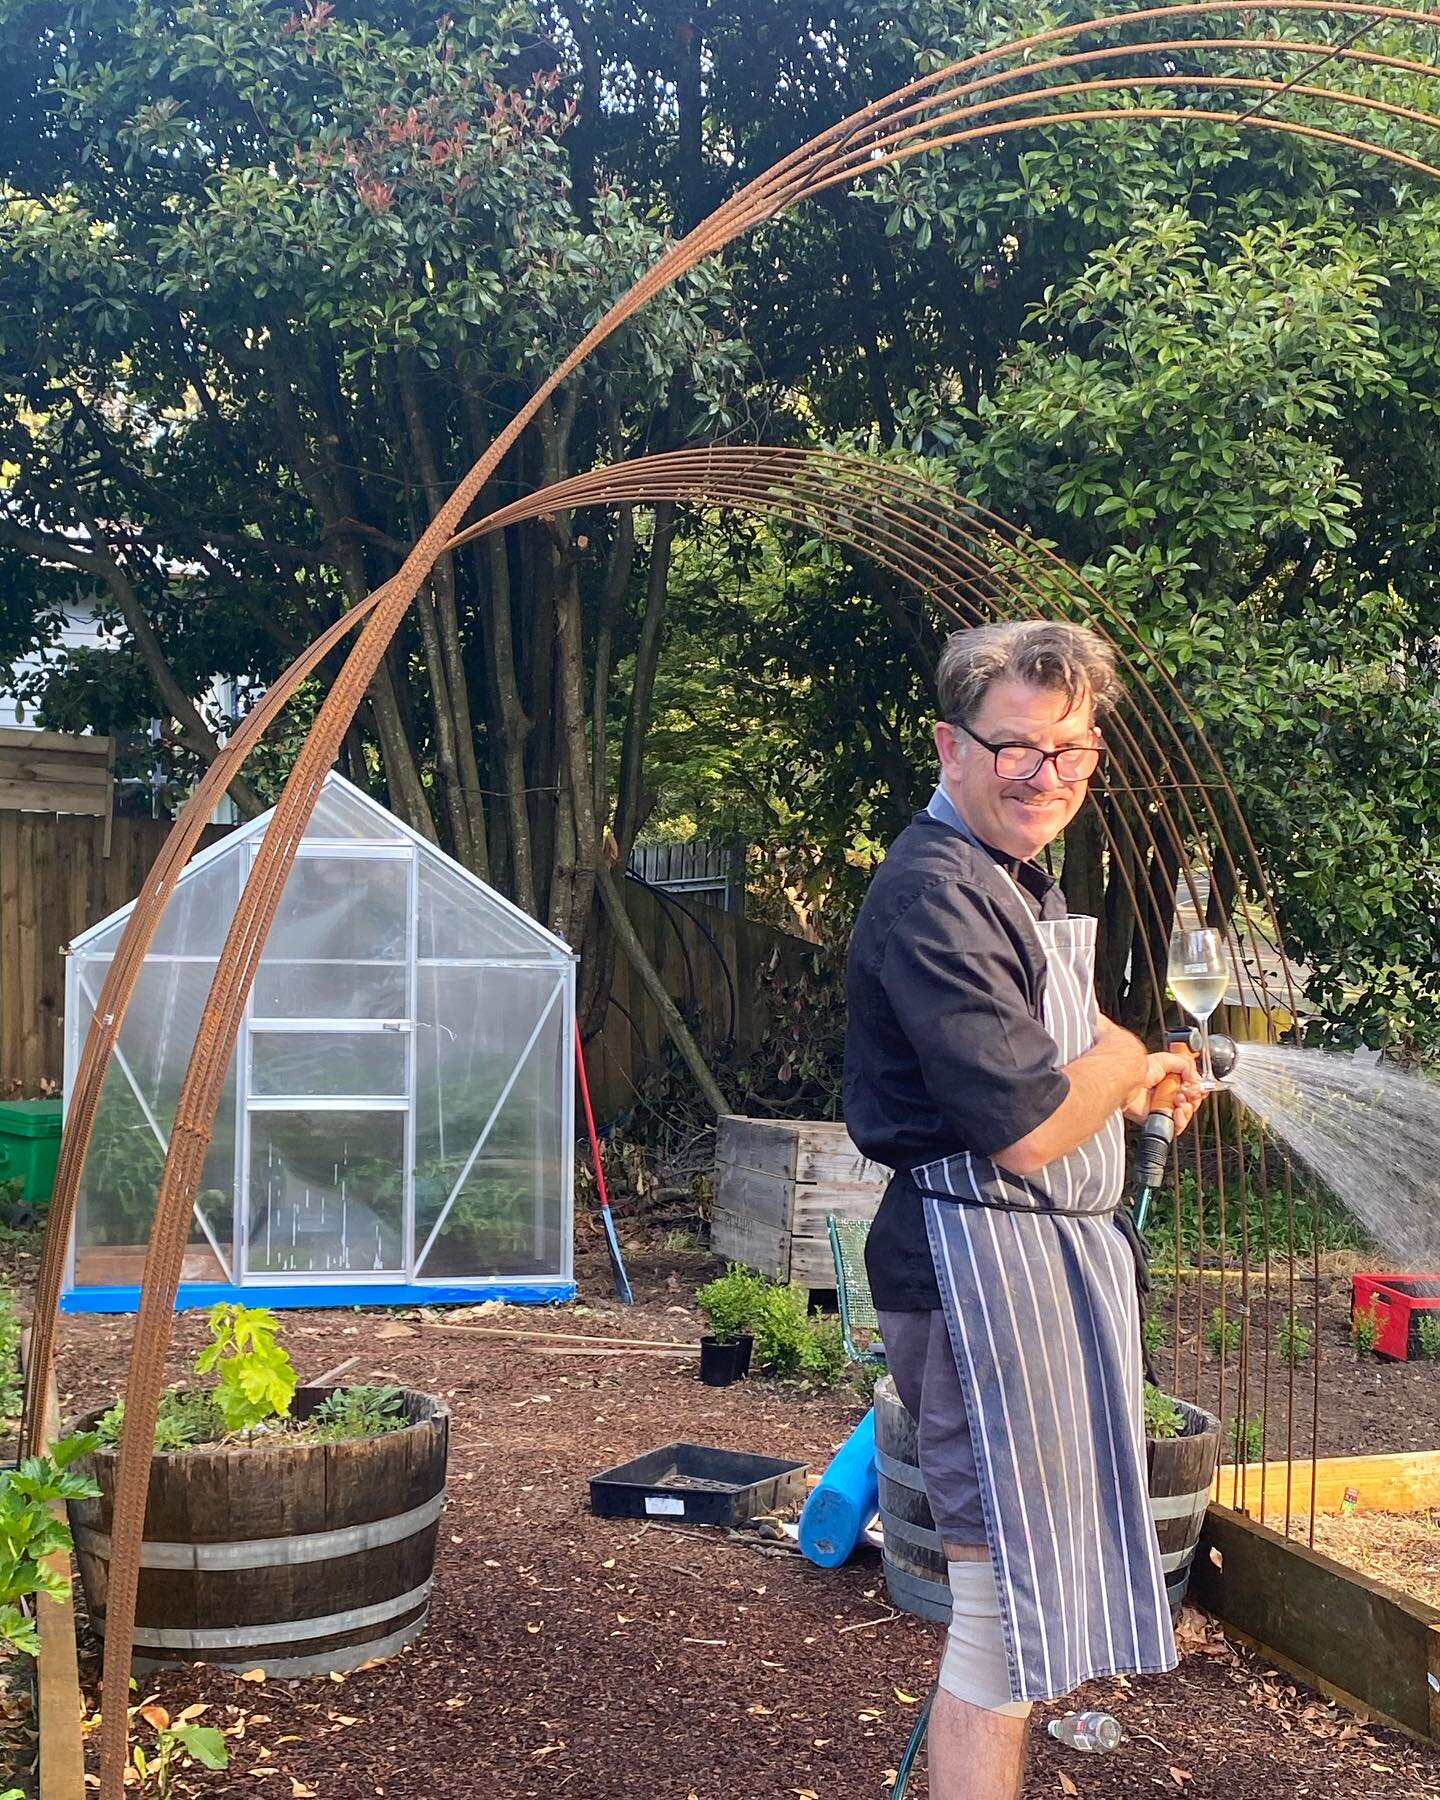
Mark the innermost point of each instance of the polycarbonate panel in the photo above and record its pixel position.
(459, 923)
(343, 908)
(342, 812)
(318, 990)
(132, 1127)
(327, 1193)
(472, 1029)
(196, 919)
(301, 1064)
(339, 946)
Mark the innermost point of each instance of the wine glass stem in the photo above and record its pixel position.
(1207, 1072)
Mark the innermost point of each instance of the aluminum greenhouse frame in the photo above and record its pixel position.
(398, 1125)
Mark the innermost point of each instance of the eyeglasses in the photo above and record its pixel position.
(1023, 762)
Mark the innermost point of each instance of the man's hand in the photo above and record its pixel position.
(1159, 1068)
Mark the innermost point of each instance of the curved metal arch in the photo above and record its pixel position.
(804, 172)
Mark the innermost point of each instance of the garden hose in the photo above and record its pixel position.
(912, 1749)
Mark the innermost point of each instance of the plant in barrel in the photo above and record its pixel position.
(324, 1503)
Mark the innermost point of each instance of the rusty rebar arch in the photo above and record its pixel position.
(801, 174)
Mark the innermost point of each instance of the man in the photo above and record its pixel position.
(978, 1068)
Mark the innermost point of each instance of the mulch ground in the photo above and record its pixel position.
(606, 1659)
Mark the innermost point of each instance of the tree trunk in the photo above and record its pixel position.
(458, 728)
(629, 804)
(402, 769)
(510, 723)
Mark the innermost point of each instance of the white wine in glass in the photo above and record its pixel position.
(1198, 976)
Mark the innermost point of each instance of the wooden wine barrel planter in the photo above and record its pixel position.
(1181, 1470)
(297, 1558)
(914, 1563)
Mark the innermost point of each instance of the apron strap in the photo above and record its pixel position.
(1064, 1212)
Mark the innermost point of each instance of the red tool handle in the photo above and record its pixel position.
(590, 1121)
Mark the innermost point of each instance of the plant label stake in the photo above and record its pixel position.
(623, 1291)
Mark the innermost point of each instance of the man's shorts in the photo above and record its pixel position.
(917, 1348)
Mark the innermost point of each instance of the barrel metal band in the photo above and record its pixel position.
(901, 1531)
(1179, 1506)
(319, 1662)
(266, 1553)
(927, 1599)
(286, 1631)
(905, 1473)
(1177, 1559)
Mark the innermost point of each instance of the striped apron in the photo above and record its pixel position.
(1038, 1289)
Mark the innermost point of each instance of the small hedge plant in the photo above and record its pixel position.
(789, 1339)
(1293, 1339)
(732, 1302)
(1365, 1328)
(1222, 1333)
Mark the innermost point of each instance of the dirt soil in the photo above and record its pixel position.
(1367, 1404)
(606, 1659)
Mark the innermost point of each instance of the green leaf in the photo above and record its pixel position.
(204, 1743)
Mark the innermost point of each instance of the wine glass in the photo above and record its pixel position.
(1199, 974)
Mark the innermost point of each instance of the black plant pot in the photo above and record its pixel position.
(720, 1364)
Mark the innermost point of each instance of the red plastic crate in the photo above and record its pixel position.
(1400, 1301)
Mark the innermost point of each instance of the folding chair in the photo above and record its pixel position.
(852, 1289)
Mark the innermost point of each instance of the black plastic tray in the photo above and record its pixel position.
(698, 1483)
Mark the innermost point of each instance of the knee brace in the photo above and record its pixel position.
(975, 1668)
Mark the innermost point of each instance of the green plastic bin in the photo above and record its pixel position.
(30, 1146)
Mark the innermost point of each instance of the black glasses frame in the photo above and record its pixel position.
(1097, 751)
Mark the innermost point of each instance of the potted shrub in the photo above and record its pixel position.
(730, 1302)
(287, 1528)
(1182, 1444)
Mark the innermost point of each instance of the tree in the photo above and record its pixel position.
(272, 278)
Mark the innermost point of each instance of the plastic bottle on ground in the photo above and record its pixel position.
(1092, 1731)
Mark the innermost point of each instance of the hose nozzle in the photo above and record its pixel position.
(1224, 1051)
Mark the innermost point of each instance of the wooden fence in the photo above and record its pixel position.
(715, 965)
(55, 879)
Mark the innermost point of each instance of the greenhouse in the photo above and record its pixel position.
(397, 1121)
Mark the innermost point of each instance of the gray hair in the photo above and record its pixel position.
(1043, 652)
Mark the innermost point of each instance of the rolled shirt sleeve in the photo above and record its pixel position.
(961, 989)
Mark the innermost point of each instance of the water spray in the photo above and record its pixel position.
(1157, 1135)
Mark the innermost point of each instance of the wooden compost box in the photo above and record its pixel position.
(775, 1182)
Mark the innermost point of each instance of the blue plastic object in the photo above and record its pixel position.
(326, 1294)
(844, 1502)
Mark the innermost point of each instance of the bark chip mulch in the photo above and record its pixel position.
(613, 1659)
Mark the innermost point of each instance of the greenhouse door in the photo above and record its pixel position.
(326, 1074)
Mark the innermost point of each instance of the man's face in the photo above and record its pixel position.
(1016, 817)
